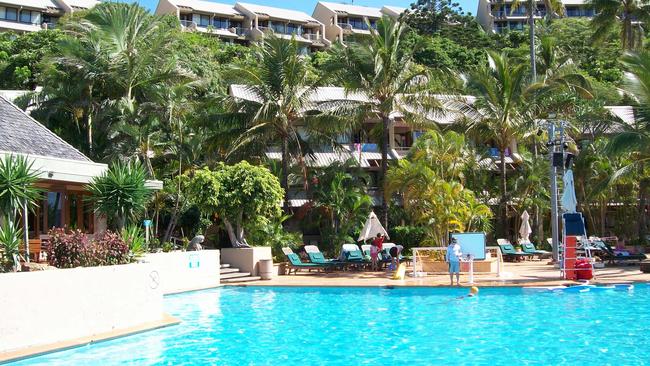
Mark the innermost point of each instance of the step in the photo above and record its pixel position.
(235, 275)
(228, 270)
(225, 265)
(242, 279)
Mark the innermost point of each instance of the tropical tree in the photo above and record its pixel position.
(17, 186)
(340, 197)
(382, 69)
(277, 110)
(500, 88)
(430, 184)
(629, 16)
(120, 193)
(635, 139)
(242, 195)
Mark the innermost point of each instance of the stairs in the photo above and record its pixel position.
(234, 275)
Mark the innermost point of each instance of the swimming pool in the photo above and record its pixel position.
(414, 326)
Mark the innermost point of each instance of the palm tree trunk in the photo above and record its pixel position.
(531, 33)
(285, 172)
(504, 191)
(385, 120)
(641, 209)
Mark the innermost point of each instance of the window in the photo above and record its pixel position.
(185, 17)
(279, 28)
(204, 21)
(293, 28)
(358, 23)
(54, 209)
(373, 23)
(263, 23)
(9, 14)
(25, 16)
(220, 23)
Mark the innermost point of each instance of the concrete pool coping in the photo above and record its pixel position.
(20, 354)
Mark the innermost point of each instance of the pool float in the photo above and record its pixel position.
(401, 271)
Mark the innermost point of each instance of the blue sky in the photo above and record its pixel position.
(308, 5)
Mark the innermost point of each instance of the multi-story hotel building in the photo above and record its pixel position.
(498, 16)
(245, 22)
(33, 15)
(343, 21)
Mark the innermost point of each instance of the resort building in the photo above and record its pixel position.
(344, 21)
(245, 22)
(33, 15)
(498, 16)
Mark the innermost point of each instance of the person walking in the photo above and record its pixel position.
(453, 258)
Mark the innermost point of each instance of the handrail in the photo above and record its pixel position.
(188, 23)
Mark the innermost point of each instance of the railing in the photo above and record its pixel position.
(188, 24)
(312, 37)
(266, 29)
(238, 31)
(345, 26)
(48, 25)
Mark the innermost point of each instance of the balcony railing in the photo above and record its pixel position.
(238, 31)
(313, 37)
(266, 29)
(345, 26)
(188, 24)
(48, 25)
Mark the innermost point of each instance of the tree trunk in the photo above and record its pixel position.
(284, 181)
(503, 217)
(236, 234)
(641, 230)
(385, 120)
(531, 33)
(171, 226)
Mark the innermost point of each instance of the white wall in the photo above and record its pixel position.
(45, 307)
(186, 271)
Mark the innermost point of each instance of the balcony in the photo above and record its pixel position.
(266, 29)
(315, 38)
(345, 26)
(188, 24)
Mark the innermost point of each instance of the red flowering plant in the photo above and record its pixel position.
(75, 249)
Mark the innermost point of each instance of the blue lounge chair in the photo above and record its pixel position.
(509, 253)
(530, 249)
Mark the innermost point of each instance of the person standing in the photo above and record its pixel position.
(453, 258)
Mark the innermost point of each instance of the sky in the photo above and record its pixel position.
(308, 6)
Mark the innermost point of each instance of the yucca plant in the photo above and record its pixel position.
(17, 179)
(10, 235)
(134, 238)
(120, 193)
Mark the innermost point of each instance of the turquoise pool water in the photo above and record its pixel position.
(353, 326)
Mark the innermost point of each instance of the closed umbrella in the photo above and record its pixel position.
(371, 228)
(569, 200)
(525, 230)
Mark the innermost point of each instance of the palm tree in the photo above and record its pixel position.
(629, 15)
(635, 139)
(553, 8)
(381, 68)
(278, 108)
(500, 88)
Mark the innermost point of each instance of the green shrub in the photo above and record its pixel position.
(407, 236)
(10, 241)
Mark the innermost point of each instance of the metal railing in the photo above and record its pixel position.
(188, 24)
(266, 29)
(312, 37)
(345, 26)
(239, 31)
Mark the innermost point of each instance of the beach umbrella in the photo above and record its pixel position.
(371, 228)
(569, 200)
(525, 230)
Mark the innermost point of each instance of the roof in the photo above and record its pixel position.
(624, 112)
(82, 4)
(392, 10)
(353, 9)
(37, 4)
(22, 134)
(279, 13)
(207, 6)
(574, 2)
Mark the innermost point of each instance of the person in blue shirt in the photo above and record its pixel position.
(453, 258)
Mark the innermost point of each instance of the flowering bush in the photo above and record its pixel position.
(75, 249)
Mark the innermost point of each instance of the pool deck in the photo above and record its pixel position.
(528, 273)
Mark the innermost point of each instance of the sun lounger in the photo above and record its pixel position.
(530, 249)
(352, 255)
(296, 264)
(608, 254)
(319, 258)
(509, 252)
(314, 253)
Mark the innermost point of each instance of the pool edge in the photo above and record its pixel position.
(24, 353)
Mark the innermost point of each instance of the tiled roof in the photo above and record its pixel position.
(353, 9)
(207, 6)
(36, 4)
(22, 134)
(278, 13)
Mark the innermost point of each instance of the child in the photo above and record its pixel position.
(374, 252)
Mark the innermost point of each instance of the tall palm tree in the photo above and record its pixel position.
(635, 139)
(278, 108)
(629, 15)
(381, 68)
(500, 88)
(553, 8)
